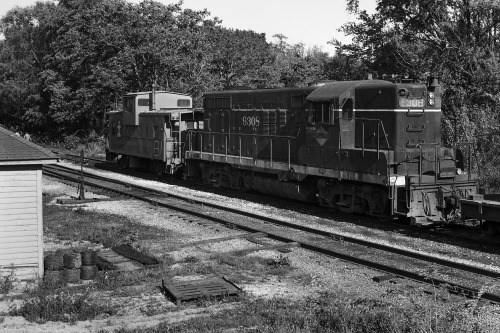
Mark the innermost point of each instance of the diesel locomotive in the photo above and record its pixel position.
(368, 147)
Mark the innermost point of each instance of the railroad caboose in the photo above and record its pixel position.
(148, 131)
(370, 146)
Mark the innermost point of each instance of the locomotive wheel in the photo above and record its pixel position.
(123, 162)
(159, 168)
(491, 228)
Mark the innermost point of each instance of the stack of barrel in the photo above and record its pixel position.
(70, 266)
(89, 267)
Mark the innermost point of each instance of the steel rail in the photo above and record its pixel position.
(494, 249)
(335, 236)
(451, 287)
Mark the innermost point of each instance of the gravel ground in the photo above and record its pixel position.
(313, 274)
(337, 225)
(325, 272)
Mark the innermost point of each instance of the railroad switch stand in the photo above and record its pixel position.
(81, 189)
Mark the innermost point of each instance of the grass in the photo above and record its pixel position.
(236, 268)
(110, 230)
(45, 303)
(399, 310)
(336, 312)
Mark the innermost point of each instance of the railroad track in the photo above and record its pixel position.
(349, 249)
(458, 235)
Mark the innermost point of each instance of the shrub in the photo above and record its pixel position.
(8, 282)
(279, 262)
(94, 144)
(71, 142)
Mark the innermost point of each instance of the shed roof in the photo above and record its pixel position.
(16, 150)
(339, 90)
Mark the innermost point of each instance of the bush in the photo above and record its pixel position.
(8, 282)
(94, 144)
(71, 142)
(280, 261)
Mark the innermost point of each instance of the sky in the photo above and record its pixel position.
(312, 22)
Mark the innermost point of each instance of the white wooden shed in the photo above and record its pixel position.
(21, 219)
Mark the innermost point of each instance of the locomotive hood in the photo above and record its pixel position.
(340, 90)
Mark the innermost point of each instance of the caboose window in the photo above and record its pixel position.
(155, 132)
(185, 103)
(143, 102)
(129, 104)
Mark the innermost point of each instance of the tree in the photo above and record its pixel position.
(456, 40)
(78, 56)
(238, 56)
(22, 56)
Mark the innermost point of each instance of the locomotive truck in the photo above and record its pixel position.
(369, 147)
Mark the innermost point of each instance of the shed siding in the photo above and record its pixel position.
(21, 246)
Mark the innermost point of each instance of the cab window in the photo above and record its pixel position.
(347, 109)
(322, 112)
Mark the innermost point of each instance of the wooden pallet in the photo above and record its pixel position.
(192, 290)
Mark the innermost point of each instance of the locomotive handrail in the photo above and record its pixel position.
(380, 123)
(240, 135)
(469, 157)
(436, 160)
(247, 134)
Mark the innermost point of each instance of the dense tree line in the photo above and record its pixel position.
(456, 40)
(62, 66)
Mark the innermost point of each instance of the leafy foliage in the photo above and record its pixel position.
(8, 282)
(62, 66)
(455, 40)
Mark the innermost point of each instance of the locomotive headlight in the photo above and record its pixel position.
(459, 171)
(430, 99)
